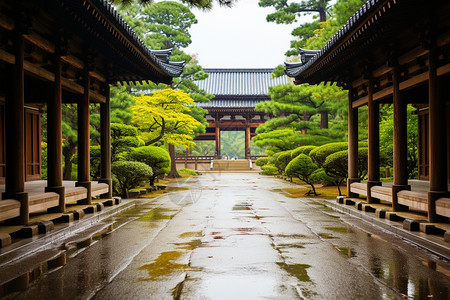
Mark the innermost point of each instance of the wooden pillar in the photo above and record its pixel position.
(15, 132)
(247, 142)
(54, 139)
(437, 138)
(217, 141)
(352, 145)
(84, 139)
(400, 142)
(105, 143)
(374, 144)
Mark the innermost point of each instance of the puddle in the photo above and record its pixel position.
(164, 265)
(189, 245)
(337, 229)
(297, 270)
(350, 252)
(156, 215)
(191, 234)
(326, 236)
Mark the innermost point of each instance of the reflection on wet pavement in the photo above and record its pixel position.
(236, 237)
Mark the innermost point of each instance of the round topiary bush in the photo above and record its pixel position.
(319, 154)
(302, 150)
(269, 169)
(302, 167)
(262, 161)
(155, 157)
(129, 174)
(282, 161)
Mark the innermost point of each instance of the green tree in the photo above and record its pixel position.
(123, 139)
(203, 4)
(302, 167)
(300, 113)
(130, 174)
(155, 157)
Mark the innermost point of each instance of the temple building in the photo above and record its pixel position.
(57, 52)
(398, 52)
(236, 93)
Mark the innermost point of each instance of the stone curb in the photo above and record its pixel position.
(24, 248)
(440, 250)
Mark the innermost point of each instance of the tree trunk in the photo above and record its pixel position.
(323, 119)
(173, 165)
(68, 152)
(323, 15)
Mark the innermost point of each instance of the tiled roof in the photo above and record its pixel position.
(221, 103)
(240, 82)
(173, 69)
(295, 69)
(106, 16)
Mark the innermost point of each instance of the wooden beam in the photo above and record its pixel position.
(40, 42)
(6, 22)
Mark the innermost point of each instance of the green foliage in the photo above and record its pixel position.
(269, 169)
(320, 176)
(282, 160)
(201, 4)
(302, 150)
(121, 101)
(386, 140)
(155, 157)
(123, 139)
(262, 161)
(337, 164)
(44, 164)
(130, 174)
(302, 167)
(187, 172)
(319, 154)
(298, 110)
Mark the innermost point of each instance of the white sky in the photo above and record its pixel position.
(239, 37)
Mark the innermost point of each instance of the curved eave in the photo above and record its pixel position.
(147, 64)
(297, 70)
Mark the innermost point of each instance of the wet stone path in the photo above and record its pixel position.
(236, 236)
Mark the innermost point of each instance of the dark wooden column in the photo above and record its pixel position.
(15, 133)
(84, 139)
(247, 142)
(105, 143)
(437, 138)
(400, 142)
(54, 139)
(374, 144)
(352, 144)
(217, 141)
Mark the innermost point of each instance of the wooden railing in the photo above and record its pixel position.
(194, 157)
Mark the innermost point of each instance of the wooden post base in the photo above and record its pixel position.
(22, 197)
(61, 191)
(349, 182)
(395, 205)
(108, 181)
(87, 185)
(370, 184)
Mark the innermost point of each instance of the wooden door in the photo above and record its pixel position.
(32, 144)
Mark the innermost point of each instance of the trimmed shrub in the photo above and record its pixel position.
(282, 161)
(155, 157)
(302, 167)
(269, 169)
(129, 174)
(319, 154)
(262, 161)
(336, 164)
(123, 139)
(187, 172)
(302, 150)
